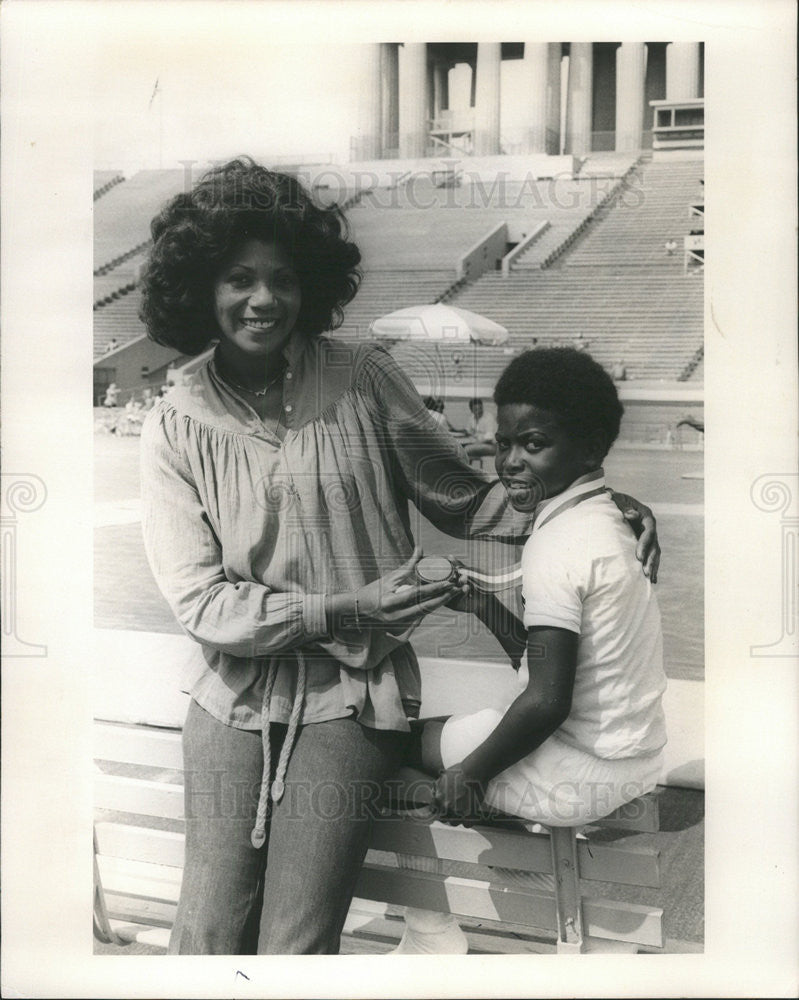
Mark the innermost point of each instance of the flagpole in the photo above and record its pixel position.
(160, 129)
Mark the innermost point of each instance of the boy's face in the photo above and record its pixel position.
(536, 458)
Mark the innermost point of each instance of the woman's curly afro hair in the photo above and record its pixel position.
(567, 383)
(196, 231)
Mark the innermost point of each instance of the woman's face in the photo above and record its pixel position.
(257, 300)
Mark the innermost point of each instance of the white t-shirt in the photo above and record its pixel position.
(579, 572)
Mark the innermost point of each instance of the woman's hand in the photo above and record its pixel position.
(396, 599)
(642, 521)
(457, 797)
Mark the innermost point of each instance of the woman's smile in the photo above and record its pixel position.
(260, 325)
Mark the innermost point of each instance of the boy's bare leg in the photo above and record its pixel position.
(431, 746)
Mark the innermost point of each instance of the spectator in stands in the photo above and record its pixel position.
(275, 508)
(580, 343)
(111, 395)
(481, 428)
(112, 345)
(148, 399)
(619, 371)
(670, 246)
(435, 404)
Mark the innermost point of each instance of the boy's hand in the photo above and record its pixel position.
(456, 797)
(642, 521)
(467, 599)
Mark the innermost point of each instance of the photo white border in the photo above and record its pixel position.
(49, 49)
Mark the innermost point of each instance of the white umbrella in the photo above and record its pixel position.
(439, 324)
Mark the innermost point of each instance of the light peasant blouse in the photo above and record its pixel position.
(246, 534)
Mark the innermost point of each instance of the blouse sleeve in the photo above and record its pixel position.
(243, 618)
(430, 467)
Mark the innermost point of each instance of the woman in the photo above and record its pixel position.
(275, 490)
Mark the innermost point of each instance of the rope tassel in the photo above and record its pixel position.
(278, 786)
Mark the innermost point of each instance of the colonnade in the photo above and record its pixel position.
(404, 98)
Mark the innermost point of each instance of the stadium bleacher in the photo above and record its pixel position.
(651, 322)
(118, 321)
(653, 210)
(615, 283)
(382, 292)
(122, 216)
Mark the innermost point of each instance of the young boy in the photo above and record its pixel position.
(586, 733)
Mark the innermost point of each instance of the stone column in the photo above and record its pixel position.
(390, 92)
(630, 78)
(682, 70)
(440, 87)
(580, 96)
(369, 139)
(486, 102)
(553, 98)
(536, 76)
(412, 100)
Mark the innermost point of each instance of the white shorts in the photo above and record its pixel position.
(557, 784)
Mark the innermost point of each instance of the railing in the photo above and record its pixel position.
(692, 365)
(113, 296)
(107, 186)
(452, 290)
(121, 258)
(609, 196)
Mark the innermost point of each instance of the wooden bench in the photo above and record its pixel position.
(139, 859)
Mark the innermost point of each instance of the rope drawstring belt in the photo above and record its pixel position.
(278, 786)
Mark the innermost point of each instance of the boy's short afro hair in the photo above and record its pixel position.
(567, 383)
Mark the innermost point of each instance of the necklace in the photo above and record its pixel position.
(255, 392)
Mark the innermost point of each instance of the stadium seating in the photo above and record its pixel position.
(118, 320)
(600, 268)
(633, 234)
(653, 322)
(110, 287)
(607, 164)
(122, 217)
(382, 292)
(420, 225)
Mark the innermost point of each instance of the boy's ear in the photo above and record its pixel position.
(595, 449)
